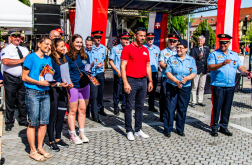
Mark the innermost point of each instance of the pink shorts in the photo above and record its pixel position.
(78, 94)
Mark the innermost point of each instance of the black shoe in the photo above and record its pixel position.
(214, 132)
(53, 146)
(24, 124)
(97, 120)
(153, 110)
(161, 120)
(102, 113)
(167, 134)
(116, 112)
(123, 110)
(225, 132)
(87, 115)
(181, 133)
(201, 104)
(193, 105)
(61, 143)
(8, 127)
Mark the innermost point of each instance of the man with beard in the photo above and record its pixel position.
(13, 57)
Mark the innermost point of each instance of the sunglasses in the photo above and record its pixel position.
(97, 37)
(141, 29)
(173, 41)
(16, 35)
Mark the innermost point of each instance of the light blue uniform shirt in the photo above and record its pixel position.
(164, 56)
(224, 76)
(101, 50)
(154, 52)
(180, 68)
(92, 56)
(115, 54)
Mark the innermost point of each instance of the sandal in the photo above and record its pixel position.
(46, 154)
(40, 158)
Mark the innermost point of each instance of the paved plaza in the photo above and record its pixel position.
(109, 145)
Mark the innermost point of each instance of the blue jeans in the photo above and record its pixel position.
(137, 94)
(118, 87)
(38, 106)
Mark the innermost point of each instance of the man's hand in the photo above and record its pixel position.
(150, 86)
(92, 64)
(179, 84)
(104, 75)
(200, 55)
(227, 61)
(184, 79)
(249, 75)
(119, 74)
(99, 64)
(1, 83)
(127, 88)
(44, 83)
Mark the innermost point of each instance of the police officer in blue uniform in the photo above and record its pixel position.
(223, 64)
(92, 58)
(101, 50)
(115, 62)
(154, 52)
(181, 69)
(164, 55)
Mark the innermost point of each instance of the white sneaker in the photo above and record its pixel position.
(141, 134)
(83, 137)
(74, 138)
(130, 136)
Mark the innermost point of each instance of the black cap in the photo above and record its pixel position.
(224, 38)
(182, 42)
(14, 31)
(124, 35)
(97, 33)
(150, 35)
(89, 38)
(173, 37)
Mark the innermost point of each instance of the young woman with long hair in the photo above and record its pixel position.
(79, 94)
(58, 95)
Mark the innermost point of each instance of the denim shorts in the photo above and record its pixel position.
(38, 107)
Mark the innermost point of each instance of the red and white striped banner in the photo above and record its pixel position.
(91, 15)
(228, 14)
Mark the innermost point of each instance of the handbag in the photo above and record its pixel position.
(83, 77)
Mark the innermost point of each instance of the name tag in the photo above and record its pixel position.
(118, 52)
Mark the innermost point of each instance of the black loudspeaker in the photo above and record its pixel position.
(46, 17)
(205, 33)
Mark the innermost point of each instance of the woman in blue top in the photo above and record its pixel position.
(79, 94)
(58, 95)
(180, 70)
(37, 98)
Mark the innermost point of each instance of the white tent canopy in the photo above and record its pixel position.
(14, 14)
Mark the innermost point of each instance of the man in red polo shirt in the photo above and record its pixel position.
(135, 67)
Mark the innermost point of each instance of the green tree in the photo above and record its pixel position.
(197, 33)
(180, 23)
(248, 36)
(26, 2)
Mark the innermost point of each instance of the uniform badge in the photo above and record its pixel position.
(118, 52)
(102, 55)
(234, 62)
(219, 56)
(190, 70)
(167, 54)
(2, 54)
(223, 35)
(156, 55)
(175, 62)
(96, 60)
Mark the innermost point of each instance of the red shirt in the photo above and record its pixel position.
(137, 58)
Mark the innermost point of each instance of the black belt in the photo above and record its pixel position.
(138, 78)
(13, 76)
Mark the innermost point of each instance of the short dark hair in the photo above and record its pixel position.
(140, 29)
(40, 40)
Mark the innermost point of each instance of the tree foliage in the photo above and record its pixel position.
(197, 33)
(248, 36)
(26, 2)
(180, 23)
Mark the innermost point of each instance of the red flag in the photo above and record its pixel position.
(72, 19)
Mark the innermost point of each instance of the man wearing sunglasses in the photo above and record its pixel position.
(164, 55)
(135, 68)
(101, 50)
(223, 64)
(154, 52)
(13, 57)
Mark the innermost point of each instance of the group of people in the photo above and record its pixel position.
(135, 67)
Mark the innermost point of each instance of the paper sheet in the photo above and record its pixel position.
(65, 76)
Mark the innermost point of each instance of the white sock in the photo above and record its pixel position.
(81, 130)
(72, 132)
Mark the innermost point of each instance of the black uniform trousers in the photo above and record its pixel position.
(14, 95)
(101, 79)
(92, 105)
(162, 97)
(222, 99)
(137, 95)
(176, 99)
(118, 87)
(152, 94)
(58, 96)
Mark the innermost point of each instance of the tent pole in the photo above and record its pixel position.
(188, 33)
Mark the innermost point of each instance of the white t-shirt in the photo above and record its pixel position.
(11, 52)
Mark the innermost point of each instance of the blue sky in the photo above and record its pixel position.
(245, 3)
